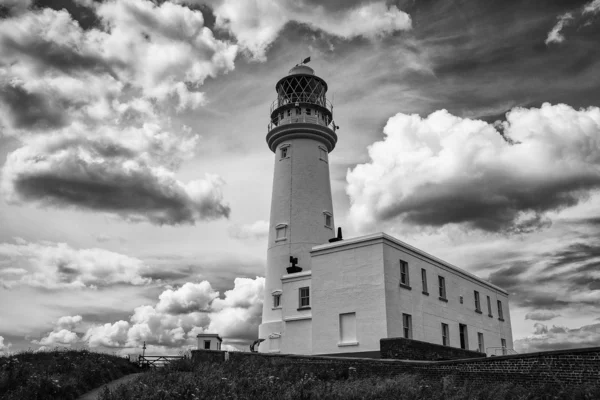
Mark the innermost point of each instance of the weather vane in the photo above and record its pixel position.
(305, 61)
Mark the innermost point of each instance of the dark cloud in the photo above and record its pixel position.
(85, 16)
(32, 111)
(541, 315)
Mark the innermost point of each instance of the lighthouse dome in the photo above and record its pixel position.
(302, 69)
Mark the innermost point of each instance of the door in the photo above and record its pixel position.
(464, 337)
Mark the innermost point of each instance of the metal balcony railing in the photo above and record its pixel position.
(303, 118)
(299, 102)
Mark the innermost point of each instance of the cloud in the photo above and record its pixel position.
(62, 334)
(558, 338)
(116, 176)
(541, 315)
(58, 266)
(14, 6)
(257, 23)
(555, 35)
(180, 314)
(68, 322)
(592, 7)
(444, 169)
(4, 348)
(256, 230)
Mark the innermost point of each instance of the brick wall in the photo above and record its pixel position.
(408, 349)
(563, 368)
(208, 356)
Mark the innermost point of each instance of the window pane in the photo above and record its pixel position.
(489, 303)
(424, 279)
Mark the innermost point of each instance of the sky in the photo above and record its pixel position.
(135, 179)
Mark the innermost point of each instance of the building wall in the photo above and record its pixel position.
(428, 312)
(214, 342)
(348, 278)
(408, 349)
(297, 323)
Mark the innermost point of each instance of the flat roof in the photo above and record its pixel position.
(385, 237)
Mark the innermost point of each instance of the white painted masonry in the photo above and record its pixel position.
(209, 341)
(358, 277)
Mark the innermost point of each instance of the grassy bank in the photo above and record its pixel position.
(249, 380)
(58, 374)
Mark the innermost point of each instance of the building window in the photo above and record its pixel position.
(289, 113)
(477, 302)
(404, 278)
(500, 314)
(503, 344)
(218, 345)
(489, 303)
(304, 297)
(285, 151)
(281, 232)
(464, 337)
(322, 154)
(277, 300)
(480, 344)
(328, 219)
(445, 335)
(442, 287)
(207, 345)
(298, 111)
(308, 111)
(424, 280)
(407, 326)
(348, 328)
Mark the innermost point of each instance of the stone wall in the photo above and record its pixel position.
(563, 368)
(408, 349)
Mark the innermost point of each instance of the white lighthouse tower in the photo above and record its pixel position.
(301, 134)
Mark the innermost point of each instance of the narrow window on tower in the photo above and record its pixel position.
(277, 300)
(322, 153)
(289, 113)
(304, 297)
(407, 326)
(285, 151)
(308, 111)
(280, 232)
(404, 278)
(328, 219)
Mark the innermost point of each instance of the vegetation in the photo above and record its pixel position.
(257, 380)
(58, 374)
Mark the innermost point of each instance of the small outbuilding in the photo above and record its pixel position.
(209, 341)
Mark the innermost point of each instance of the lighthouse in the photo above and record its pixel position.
(301, 134)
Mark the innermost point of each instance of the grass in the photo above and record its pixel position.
(249, 379)
(58, 374)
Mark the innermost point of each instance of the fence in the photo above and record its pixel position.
(157, 361)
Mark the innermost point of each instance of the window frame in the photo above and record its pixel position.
(205, 343)
(445, 335)
(277, 300)
(500, 312)
(407, 326)
(480, 342)
(424, 280)
(301, 298)
(284, 151)
(323, 154)
(477, 299)
(442, 287)
(404, 273)
(503, 345)
(327, 214)
(281, 228)
(489, 304)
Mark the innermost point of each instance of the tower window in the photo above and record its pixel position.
(298, 111)
(281, 232)
(328, 219)
(322, 154)
(304, 297)
(289, 113)
(277, 300)
(308, 111)
(285, 151)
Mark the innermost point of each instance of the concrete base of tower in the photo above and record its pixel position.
(270, 331)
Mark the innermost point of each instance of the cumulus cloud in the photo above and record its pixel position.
(90, 108)
(541, 315)
(558, 338)
(443, 169)
(257, 23)
(68, 322)
(57, 266)
(555, 35)
(577, 17)
(62, 334)
(181, 313)
(4, 348)
(255, 230)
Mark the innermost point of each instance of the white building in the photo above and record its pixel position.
(209, 341)
(342, 297)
